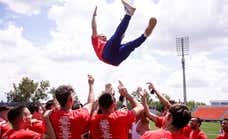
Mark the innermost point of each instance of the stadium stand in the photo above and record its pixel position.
(211, 113)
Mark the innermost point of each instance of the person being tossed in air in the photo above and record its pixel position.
(112, 51)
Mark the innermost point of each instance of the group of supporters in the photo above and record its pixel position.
(101, 118)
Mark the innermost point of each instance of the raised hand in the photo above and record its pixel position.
(90, 80)
(122, 89)
(95, 11)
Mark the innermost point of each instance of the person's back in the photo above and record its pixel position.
(176, 118)
(115, 125)
(70, 125)
(163, 134)
(112, 123)
(21, 134)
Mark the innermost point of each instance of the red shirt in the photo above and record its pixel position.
(162, 134)
(70, 125)
(197, 134)
(115, 125)
(160, 121)
(222, 136)
(4, 126)
(38, 126)
(186, 130)
(21, 134)
(98, 46)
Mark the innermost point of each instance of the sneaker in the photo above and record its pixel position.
(130, 9)
(150, 27)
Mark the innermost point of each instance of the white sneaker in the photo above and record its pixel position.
(129, 7)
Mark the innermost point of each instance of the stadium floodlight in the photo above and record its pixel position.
(182, 46)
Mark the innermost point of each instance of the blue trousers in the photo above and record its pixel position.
(114, 52)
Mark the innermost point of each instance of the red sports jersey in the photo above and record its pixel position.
(162, 134)
(112, 126)
(198, 134)
(186, 130)
(70, 125)
(21, 134)
(222, 136)
(98, 46)
(160, 122)
(4, 126)
(38, 126)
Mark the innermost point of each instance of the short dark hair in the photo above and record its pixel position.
(34, 107)
(15, 113)
(198, 120)
(4, 108)
(62, 93)
(180, 115)
(49, 104)
(105, 100)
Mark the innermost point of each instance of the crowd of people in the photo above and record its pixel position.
(101, 118)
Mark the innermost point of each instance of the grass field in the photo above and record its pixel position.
(210, 128)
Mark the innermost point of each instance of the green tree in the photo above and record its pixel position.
(27, 91)
(193, 104)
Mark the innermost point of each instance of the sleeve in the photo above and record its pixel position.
(159, 122)
(202, 136)
(131, 117)
(146, 135)
(95, 42)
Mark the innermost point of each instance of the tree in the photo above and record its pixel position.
(193, 104)
(27, 91)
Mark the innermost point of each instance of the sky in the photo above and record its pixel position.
(51, 40)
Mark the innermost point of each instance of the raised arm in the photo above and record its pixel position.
(161, 98)
(91, 97)
(137, 107)
(150, 115)
(94, 23)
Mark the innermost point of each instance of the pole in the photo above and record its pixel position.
(183, 69)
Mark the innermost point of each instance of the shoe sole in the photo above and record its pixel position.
(128, 4)
(151, 25)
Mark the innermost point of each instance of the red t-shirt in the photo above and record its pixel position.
(4, 126)
(197, 134)
(21, 134)
(160, 121)
(222, 136)
(114, 126)
(162, 134)
(38, 126)
(186, 130)
(98, 46)
(70, 125)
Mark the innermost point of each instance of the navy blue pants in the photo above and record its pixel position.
(114, 52)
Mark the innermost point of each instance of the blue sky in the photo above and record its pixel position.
(51, 41)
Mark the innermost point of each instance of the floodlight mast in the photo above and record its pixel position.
(182, 45)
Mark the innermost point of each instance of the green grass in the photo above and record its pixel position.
(210, 128)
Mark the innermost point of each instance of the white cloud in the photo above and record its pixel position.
(27, 7)
(68, 57)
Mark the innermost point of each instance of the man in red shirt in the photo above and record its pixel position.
(177, 117)
(20, 119)
(68, 123)
(112, 123)
(196, 132)
(224, 134)
(158, 120)
(4, 124)
(38, 123)
(112, 51)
